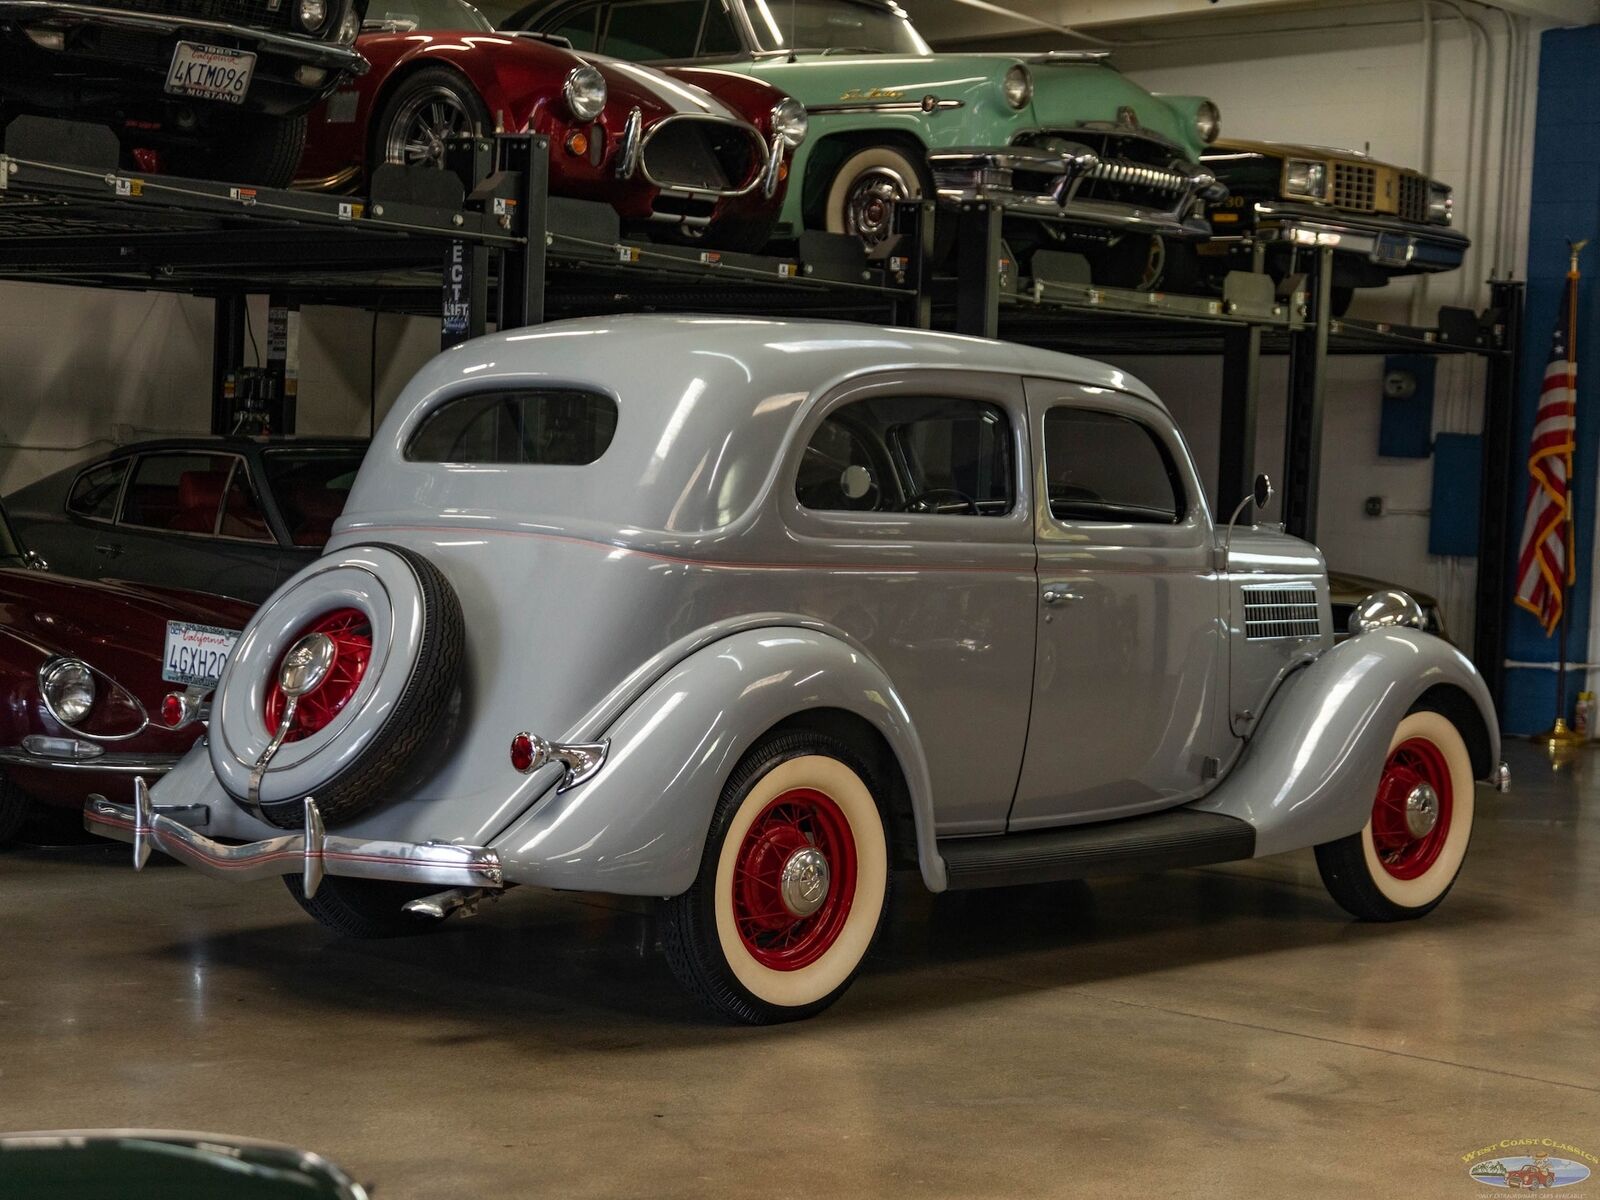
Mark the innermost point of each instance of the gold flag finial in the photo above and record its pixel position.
(1573, 250)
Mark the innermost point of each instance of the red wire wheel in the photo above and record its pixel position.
(773, 933)
(351, 633)
(1402, 853)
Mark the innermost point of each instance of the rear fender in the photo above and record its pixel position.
(1311, 769)
(639, 826)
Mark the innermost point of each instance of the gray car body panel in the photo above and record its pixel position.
(674, 598)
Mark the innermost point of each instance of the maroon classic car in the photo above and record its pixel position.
(99, 682)
(690, 153)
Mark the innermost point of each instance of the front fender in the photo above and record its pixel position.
(1312, 767)
(639, 826)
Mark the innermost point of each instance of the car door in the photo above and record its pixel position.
(1130, 636)
(910, 503)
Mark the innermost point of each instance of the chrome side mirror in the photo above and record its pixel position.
(1263, 492)
(1260, 495)
(35, 561)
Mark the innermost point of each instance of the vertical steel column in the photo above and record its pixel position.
(1308, 361)
(227, 355)
(1241, 397)
(521, 283)
(465, 299)
(914, 221)
(1497, 513)
(283, 362)
(978, 270)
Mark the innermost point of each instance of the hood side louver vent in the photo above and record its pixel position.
(1281, 611)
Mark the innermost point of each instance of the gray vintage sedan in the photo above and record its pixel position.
(745, 614)
(235, 516)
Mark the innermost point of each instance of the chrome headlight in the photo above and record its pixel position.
(1207, 121)
(790, 122)
(1385, 610)
(67, 686)
(585, 90)
(350, 27)
(311, 14)
(1306, 178)
(1441, 203)
(1017, 86)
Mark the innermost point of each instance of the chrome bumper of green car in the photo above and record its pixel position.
(1050, 185)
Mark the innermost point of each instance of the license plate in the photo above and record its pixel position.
(196, 654)
(210, 72)
(1393, 250)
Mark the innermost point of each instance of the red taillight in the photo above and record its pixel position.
(173, 709)
(522, 752)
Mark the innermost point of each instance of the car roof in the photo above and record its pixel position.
(706, 406)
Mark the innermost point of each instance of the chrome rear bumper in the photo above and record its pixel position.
(311, 854)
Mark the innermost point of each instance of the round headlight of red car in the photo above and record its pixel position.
(349, 27)
(585, 91)
(1207, 121)
(790, 122)
(67, 686)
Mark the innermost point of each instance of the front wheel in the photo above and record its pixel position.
(793, 885)
(866, 188)
(429, 107)
(1404, 861)
(251, 148)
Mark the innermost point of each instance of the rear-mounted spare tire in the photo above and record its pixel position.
(395, 642)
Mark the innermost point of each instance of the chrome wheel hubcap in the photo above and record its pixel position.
(804, 885)
(417, 136)
(1422, 810)
(869, 210)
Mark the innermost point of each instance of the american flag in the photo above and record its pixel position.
(1545, 566)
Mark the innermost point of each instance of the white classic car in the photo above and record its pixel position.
(746, 614)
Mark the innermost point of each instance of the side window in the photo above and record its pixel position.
(652, 30)
(177, 491)
(1103, 467)
(910, 454)
(241, 510)
(578, 26)
(719, 36)
(554, 428)
(94, 493)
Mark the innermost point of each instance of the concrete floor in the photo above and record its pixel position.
(1213, 1032)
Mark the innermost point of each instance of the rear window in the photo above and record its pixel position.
(94, 493)
(311, 487)
(553, 428)
(178, 491)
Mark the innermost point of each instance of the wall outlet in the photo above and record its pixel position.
(1373, 506)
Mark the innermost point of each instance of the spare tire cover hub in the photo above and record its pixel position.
(370, 579)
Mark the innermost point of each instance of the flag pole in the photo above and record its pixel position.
(1560, 738)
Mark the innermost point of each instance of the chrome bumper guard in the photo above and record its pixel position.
(988, 175)
(311, 854)
(1404, 245)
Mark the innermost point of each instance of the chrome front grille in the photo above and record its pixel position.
(1413, 197)
(1355, 186)
(1138, 175)
(702, 155)
(1281, 611)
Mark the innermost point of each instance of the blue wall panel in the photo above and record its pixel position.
(1566, 204)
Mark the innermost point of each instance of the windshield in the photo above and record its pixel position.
(840, 26)
(425, 14)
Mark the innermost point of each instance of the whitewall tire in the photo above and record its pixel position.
(1406, 858)
(793, 885)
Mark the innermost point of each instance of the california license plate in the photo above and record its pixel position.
(210, 72)
(1392, 249)
(196, 654)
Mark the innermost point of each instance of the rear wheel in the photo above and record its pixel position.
(365, 908)
(1406, 858)
(793, 885)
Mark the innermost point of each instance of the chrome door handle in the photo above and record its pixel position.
(1055, 594)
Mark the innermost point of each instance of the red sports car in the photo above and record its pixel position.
(99, 682)
(693, 153)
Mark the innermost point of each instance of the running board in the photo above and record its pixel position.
(1178, 837)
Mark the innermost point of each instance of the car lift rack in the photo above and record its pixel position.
(482, 243)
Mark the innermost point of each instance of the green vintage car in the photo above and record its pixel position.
(1061, 136)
